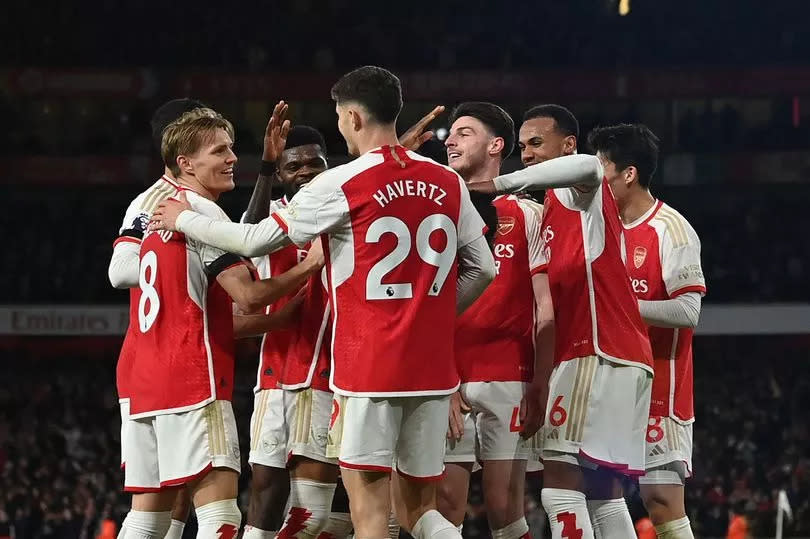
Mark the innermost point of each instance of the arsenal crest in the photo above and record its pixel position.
(639, 255)
(505, 225)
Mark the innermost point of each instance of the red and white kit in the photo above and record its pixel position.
(663, 262)
(136, 219)
(599, 392)
(395, 221)
(495, 340)
(293, 402)
(181, 381)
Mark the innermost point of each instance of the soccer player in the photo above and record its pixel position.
(293, 402)
(123, 274)
(599, 390)
(396, 225)
(181, 430)
(295, 156)
(663, 262)
(495, 338)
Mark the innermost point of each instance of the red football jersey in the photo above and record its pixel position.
(595, 308)
(663, 261)
(184, 347)
(495, 336)
(395, 221)
(136, 219)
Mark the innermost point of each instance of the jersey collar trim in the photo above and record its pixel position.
(649, 214)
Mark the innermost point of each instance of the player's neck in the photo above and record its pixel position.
(383, 135)
(487, 172)
(636, 205)
(190, 182)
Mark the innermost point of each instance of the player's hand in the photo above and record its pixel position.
(414, 137)
(165, 216)
(458, 407)
(533, 409)
(315, 258)
(275, 135)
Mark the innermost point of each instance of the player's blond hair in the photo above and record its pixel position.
(187, 134)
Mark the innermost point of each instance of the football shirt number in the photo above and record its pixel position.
(443, 260)
(149, 295)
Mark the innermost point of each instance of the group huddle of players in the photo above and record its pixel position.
(416, 325)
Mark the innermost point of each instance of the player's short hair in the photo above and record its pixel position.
(567, 123)
(628, 145)
(376, 89)
(497, 120)
(304, 135)
(169, 112)
(189, 132)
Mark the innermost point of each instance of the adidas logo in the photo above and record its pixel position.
(657, 450)
(553, 435)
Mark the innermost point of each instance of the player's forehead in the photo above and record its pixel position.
(303, 154)
(468, 124)
(215, 137)
(543, 127)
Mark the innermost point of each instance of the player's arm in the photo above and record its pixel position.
(318, 208)
(416, 135)
(124, 264)
(581, 171)
(252, 295)
(256, 325)
(476, 265)
(533, 407)
(683, 277)
(275, 138)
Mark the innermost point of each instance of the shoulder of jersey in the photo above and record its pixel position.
(348, 170)
(674, 224)
(531, 204)
(202, 205)
(147, 201)
(418, 157)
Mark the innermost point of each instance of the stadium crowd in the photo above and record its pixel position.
(59, 461)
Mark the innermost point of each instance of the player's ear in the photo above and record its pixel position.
(570, 144)
(184, 164)
(630, 175)
(356, 119)
(496, 146)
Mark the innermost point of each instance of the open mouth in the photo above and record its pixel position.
(453, 155)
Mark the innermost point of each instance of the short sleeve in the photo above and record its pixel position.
(470, 224)
(680, 258)
(318, 208)
(533, 217)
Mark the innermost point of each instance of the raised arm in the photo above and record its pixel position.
(583, 171)
(275, 138)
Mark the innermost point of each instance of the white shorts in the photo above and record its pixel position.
(491, 429)
(535, 446)
(287, 423)
(376, 434)
(175, 449)
(596, 414)
(123, 405)
(669, 452)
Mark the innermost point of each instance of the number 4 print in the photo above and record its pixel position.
(569, 522)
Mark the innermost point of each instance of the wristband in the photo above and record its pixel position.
(268, 168)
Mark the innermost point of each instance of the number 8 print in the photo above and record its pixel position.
(148, 292)
(443, 260)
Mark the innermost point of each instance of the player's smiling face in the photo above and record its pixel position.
(539, 140)
(467, 145)
(299, 165)
(213, 163)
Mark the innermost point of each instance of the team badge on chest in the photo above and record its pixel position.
(505, 225)
(639, 256)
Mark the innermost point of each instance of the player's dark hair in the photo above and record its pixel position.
(483, 203)
(497, 120)
(304, 135)
(628, 145)
(169, 112)
(376, 89)
(567, 123)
